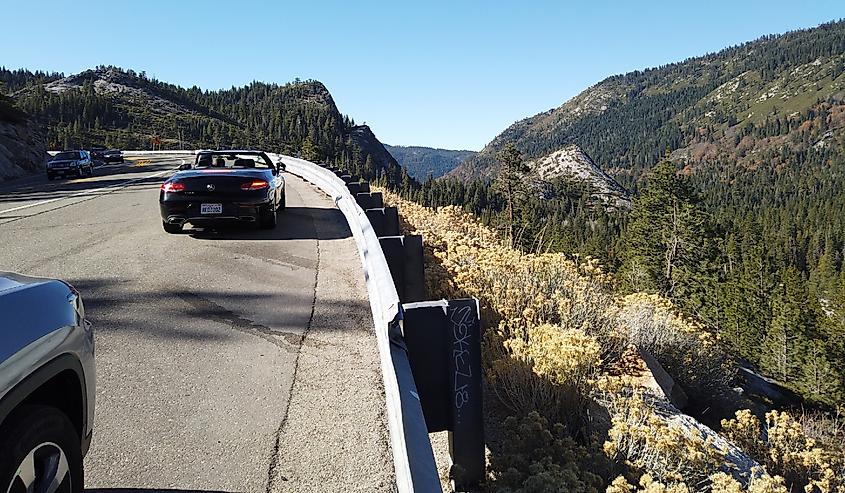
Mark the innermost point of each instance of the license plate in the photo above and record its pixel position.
(211, 208)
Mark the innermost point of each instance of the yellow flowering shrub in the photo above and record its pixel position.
(549, 371)
(545, 311)
(719, 483)
(690, 354)
(645, 441)
(551, 326)
(784, 449)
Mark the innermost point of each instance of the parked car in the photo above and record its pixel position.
(228, 186)
(47, 380)
(113, 156)
(68, 163)
(97, 152)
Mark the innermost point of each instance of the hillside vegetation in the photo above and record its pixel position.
(124, 109)
(554, 341)
(735, 161)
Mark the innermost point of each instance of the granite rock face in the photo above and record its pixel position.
(23, 151)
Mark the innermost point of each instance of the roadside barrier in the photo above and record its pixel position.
(430, 351)
(413, 458)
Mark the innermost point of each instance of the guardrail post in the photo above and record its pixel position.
(414, 268)
(391, 221)
(385, 221)
(404, 255)
(444, 351)
(369, 200)
(377, 220)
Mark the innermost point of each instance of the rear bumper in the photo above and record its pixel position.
(64, 171)
(233, 212)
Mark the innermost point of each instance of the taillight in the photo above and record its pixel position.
(168, 187)
(256, 185)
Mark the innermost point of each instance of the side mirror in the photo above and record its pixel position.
(185, 166)
(282, 166)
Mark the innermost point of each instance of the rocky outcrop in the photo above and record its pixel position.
(649, 373)
(668, 398)
(364, 138)
(22, 150)
(572, 162)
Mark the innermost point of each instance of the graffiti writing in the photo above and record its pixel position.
(462, 319)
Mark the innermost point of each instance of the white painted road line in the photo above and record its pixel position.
(86, 192)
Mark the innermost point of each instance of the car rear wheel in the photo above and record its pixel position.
(268, 218)
(282, 203)
(172, 228)
(39, 451)
(50, 177)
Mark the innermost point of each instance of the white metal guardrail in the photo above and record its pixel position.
(413, 458)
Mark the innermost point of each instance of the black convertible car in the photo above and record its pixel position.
(224, 187)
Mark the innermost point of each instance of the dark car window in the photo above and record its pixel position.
(67, 155)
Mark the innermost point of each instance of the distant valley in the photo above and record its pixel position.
(424, 161)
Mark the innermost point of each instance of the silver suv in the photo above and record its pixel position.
(47, 379)
(67, 163)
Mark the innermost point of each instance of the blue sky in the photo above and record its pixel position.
(448, 74)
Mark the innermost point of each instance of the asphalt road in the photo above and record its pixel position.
(227, 360)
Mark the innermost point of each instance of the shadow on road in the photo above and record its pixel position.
(294, 223)
(151, 490)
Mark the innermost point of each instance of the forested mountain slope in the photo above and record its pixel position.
(423, 161)
(124, 109)
(736, 162)
(701, 108)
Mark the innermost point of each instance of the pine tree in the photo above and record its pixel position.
(791, 328)
(511, 183)
(668, 248)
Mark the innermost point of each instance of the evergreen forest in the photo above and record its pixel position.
(735, 162)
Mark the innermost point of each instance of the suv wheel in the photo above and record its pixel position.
(39, 447)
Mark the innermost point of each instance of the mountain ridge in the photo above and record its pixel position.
(672, 102)
(124, 109)
(421, 162)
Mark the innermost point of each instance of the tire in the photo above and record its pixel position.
(172, 228)
(282, 204)
(50, 177)
(39, 444)
(268, 218)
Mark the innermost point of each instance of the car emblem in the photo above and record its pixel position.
(210, 187)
